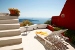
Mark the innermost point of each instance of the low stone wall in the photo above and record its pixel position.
(4, 14)
(33, 27)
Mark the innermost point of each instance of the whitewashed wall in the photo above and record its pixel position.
(4, 14)
(33, 27)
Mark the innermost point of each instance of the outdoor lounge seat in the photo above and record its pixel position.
(54, 40)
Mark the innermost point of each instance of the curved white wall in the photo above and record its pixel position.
(33, 27)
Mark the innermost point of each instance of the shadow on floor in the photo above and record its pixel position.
(24, 34)
(71, 44)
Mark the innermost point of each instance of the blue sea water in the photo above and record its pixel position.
(35, 20)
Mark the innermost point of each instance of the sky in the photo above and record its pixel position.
(34, 8)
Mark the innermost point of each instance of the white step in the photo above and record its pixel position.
(9, 26)
(18, 49)
(13, 32)
(6, 41)
(12, 47)
(4, 14)
(9, 21)
(8, 17)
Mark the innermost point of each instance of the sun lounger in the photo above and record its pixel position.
(53, 40)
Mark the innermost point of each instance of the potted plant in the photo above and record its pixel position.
(14, 12)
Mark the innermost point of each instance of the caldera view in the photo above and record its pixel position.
(37, 25)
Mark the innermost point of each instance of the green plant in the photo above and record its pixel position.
(48, 22)
(25, 22)
(71, 35)
(73, 39)
(14, 12)
(57, 28)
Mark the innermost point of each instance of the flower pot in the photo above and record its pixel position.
(50, 27)
(12, 12)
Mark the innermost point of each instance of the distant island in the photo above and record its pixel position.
(35, 20)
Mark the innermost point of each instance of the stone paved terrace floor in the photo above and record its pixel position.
(31, 43)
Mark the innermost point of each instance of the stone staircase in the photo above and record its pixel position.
(10, 38)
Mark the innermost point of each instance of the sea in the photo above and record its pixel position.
(35, 20)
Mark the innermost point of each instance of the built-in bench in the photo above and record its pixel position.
(37, 26)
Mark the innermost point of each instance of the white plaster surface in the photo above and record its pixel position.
(30, 43)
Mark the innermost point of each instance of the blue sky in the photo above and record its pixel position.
(34, 8)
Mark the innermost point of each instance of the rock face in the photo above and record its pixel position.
(10, 38)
